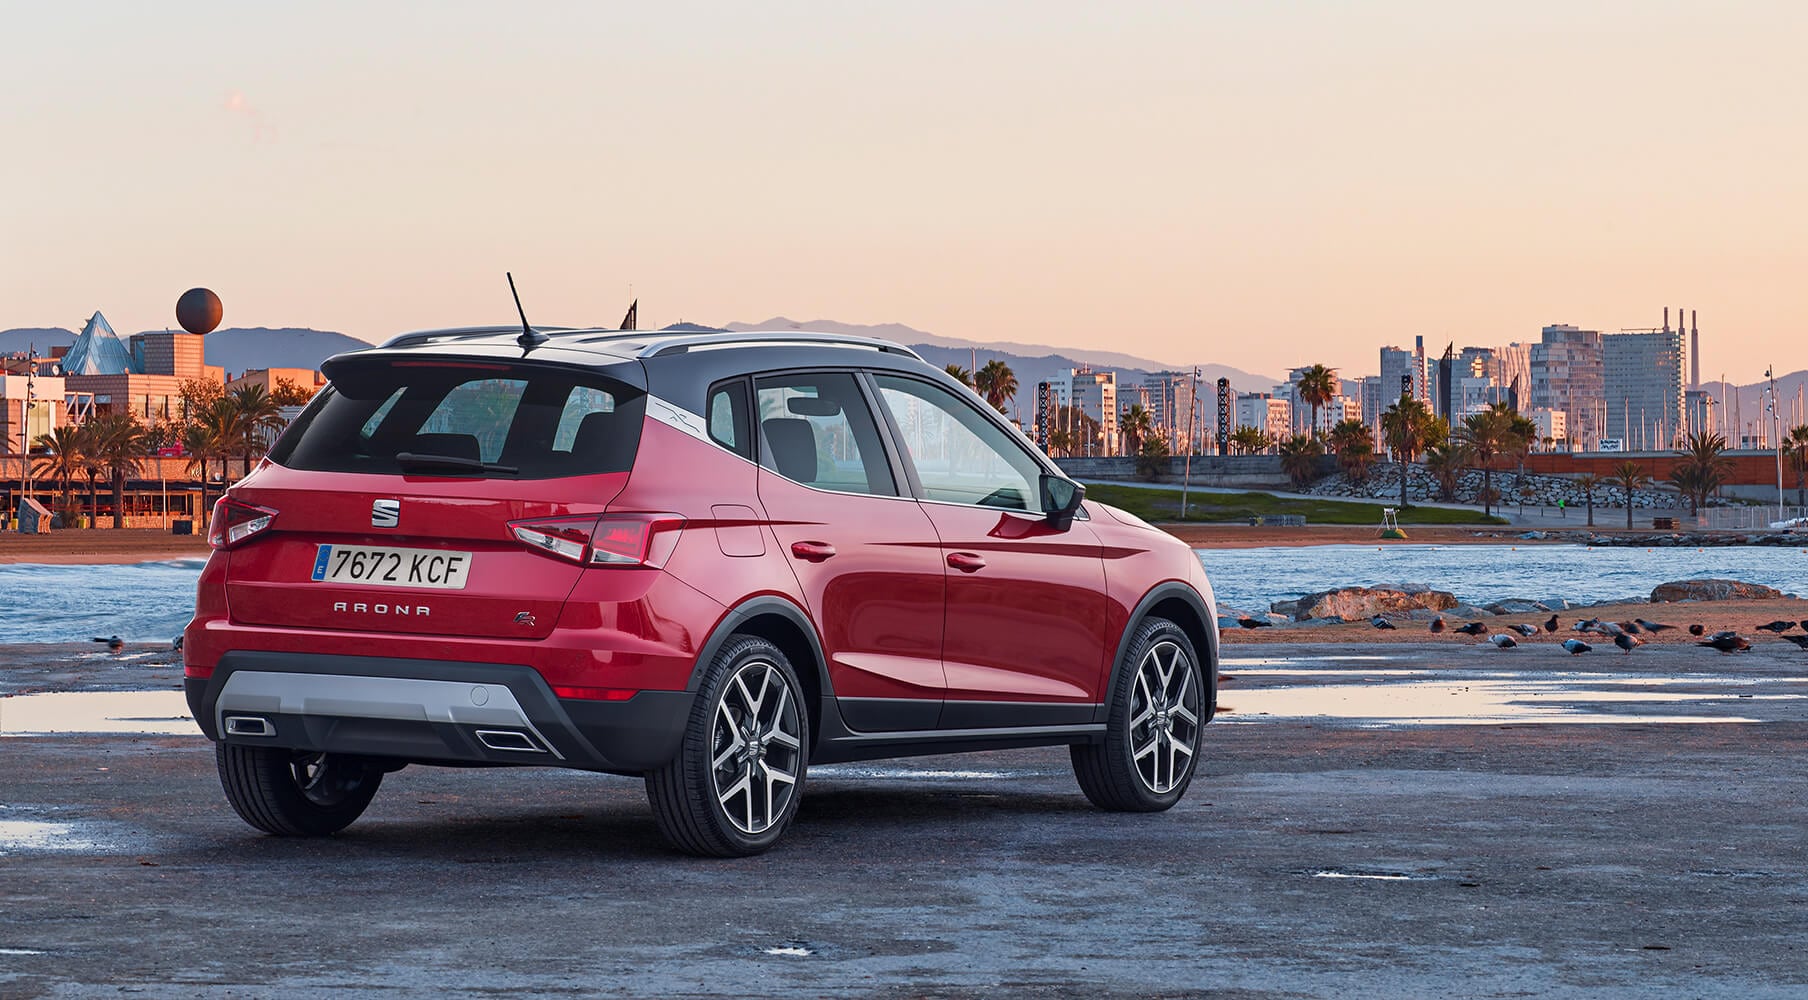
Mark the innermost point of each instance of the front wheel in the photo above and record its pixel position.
(734, 786)
(1152, 733)
(295, 793)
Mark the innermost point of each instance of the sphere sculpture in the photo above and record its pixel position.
(198, 310)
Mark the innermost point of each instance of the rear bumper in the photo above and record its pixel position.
(430, 711)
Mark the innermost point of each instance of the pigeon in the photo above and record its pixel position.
(1380, 622)
(1437, 624)
(1577, 647)
(1503, 641)
(1630, 628)
(1696, 630)
(1726, 642)
(1652, 627)
(114, 643)
(1473, 628)
(1800, 640)
(1625, 641)
(1805, 624)
(1608, 628)
(176, 644)
(1526, 630)
(1779, 627)
(1248, 622)
(1587, 626)
(1551, 624)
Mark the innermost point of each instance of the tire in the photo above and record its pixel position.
(295, 793)
(1152, 733)
(733, 789)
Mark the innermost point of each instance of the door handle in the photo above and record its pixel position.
(966, 562)
(812, 551)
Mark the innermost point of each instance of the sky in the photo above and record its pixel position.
(1263, 185)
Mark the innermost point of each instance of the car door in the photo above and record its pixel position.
(1024, 641)
(866, 555)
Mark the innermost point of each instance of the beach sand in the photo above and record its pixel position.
(100, 546)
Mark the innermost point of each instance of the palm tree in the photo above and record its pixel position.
(961, 375)
(203, 445)
(996, 382)
(1446, 462)
(1060, 441)
(92, 467)
(1590, 483)
(1407, 427)
(1486, 436)
(255, 417)
(1152, 459)
(1522, 434)
(1629, 476)
(119, 447)
(1354, 447)
(1797, 443)
(61, 458)
(1316, 386)
(1250, 440)
(1135, 424)
(1703, 468)
(1299, 458)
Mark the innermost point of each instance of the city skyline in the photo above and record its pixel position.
(1256, 187)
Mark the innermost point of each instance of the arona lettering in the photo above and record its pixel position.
(416, 610)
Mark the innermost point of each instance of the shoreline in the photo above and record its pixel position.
(100, 547)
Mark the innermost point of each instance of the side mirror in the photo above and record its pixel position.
(1060, 499)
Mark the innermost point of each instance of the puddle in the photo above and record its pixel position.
(1482, 701)
(151, 713)
(1238, 661)
(790, 951)
(19, 951)
(36, 835)
(1373, 876)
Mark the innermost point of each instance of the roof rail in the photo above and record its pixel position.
(461, 333)
(659, 347)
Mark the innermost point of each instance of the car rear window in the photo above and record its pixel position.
(466, 419)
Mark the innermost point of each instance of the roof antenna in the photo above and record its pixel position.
(530, 337)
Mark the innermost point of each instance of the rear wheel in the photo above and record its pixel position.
(295, 793)
(735, 784)
(1152, 732)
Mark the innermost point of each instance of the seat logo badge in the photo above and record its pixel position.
(385, 513)
(525, 618)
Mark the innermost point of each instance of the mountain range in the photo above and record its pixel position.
(236, 349)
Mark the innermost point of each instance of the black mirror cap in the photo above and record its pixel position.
(1061, 497)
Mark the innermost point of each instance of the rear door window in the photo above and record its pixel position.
(816, 429)
(494, 420)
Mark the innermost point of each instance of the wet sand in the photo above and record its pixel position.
(100, 546)
(1714, 616)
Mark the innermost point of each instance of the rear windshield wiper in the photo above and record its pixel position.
(414, 462)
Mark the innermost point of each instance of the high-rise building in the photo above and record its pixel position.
(1266, 411)
(1645, 377)
(1095, 394)
(1567, 375)
(1171, 407)
(1401, 369)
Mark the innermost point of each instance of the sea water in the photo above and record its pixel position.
(151, 602)
(1250, 579)
(139, 602)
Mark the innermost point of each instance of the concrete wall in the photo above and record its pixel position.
(1226, 471)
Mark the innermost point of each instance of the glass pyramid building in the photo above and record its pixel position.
(98, 351)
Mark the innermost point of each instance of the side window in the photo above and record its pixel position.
(729, 423)
(817, 430)
(960, 455)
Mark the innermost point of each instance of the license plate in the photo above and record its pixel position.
(387, 566)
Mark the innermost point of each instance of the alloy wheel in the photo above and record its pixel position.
(756, 748)
(1164, 717)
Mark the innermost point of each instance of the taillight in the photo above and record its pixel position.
(235, 522)
(611, 540)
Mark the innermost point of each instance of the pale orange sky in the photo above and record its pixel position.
(1263, 185)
